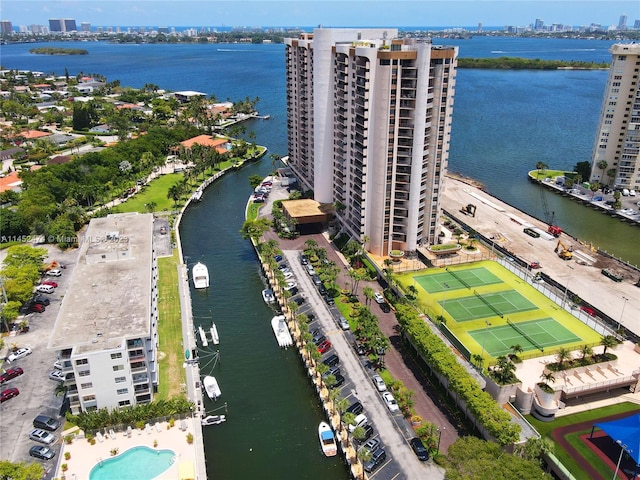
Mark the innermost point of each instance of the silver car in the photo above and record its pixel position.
(41, 436)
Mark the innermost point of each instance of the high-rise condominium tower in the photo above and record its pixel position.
(369, 122)
(616, 153)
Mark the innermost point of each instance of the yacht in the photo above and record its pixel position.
(213, 420)
(211, 387)
(327, 440)
(268, 296)
(281, 331)
(200, 274)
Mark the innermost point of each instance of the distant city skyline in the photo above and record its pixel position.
(331, 13)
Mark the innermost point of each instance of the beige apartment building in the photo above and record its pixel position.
(618, 135)
(369, 124)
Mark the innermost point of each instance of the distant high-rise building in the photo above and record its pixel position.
(56, 25)
(480, 27)
(539, 24)
(5, 27)
(85, 27)
(70, 25)
(622, 23)
(636, 24)
(369, 123)
(618, 137)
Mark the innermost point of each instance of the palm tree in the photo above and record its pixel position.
(174, 193)
(563, 355)
(364, 455)
(503, 371)
(602, 165)
(368, 294)
(586, 351)
(548, 378)
(515, 350)
(611, 173)
(608, 341)
(413, 291)
(541, 166)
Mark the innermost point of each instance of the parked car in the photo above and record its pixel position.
(41, 436)
(339, 381)
(49, 282)
(372, 445)
(304, 260)
(293, 290)
(368, 433)
(379, 383)
(329, 299)
(288, 275)
(299, 300)
(335, 371)
(45, 289)
(54, 273)
(359, 348)
(378, 297)
(56, 375)
(10, 374)
(377, 458)
(46, 423)
(42, 300)
(419, 449)
(388, 398)
(318, 337)
(360, 421)
(316, 280)
(356, 408)
(385, 307)
(343, 323)
(36, 307)
(58, 365)
(8, 394)
(41, 452)
(163, 230)
(324, 346)
(19, 353)
(331, 360)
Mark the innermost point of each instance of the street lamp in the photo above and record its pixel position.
(622, 312)
(439, 437)
(623, 447)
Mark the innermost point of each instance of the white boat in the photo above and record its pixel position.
(280, 329)
(215, 338)
(211, 387)
(197, 195)
(268, 296)
(213, 420)
(200, 274)
(327, 440)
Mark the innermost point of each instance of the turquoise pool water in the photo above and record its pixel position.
(137, 463)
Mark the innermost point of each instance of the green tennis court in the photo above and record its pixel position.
(477, 307)
(545, 332)
(450, 280)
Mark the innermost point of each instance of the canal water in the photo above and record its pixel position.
(272, 410)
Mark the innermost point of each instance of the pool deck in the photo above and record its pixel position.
(85, 456)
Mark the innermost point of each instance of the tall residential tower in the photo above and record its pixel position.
(617, 145)
(369, 122)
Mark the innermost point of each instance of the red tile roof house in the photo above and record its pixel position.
(222, 145)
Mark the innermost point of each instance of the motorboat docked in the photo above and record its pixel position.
(200, 274)
(327, 440)
(281, 331)
(268, 296)
(197, 195)
(211, 387)
(213, 420)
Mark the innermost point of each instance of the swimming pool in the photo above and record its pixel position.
(137, 463)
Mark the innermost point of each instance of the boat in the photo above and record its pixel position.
(213, 420)
(200, 274)
(215, 338)
(197, 195)
(268, 296)
(327, 440)
(280, 329)
(211, 387)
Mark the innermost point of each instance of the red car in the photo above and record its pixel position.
(8, 393)
(50, 282)
(10, 373)
(36, 307)
(324, 346)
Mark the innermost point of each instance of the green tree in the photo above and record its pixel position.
(608, 341)
(583, 169)
(562, 356)
(515, 351)
(611, 173)
(255, 228)
(594, 187)
(255, 180)
(602, 165)
(20, 471)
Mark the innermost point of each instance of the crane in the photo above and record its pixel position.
(549, 217)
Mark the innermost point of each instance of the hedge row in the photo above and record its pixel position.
(441, 359)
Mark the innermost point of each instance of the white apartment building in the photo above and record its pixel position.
(106, 333)
(617, 145)
(369, 123)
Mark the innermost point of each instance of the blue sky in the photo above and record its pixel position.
(392, 13)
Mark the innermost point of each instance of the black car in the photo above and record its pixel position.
(316, 280)
(322, 290)
(359, 348)
(339, 381)
(377, 459)
(41, 452)
(332, 360)
(385, 307)
(304, 260)
(355, 408)
(319, 338)
(41, 300)
(419, 449)
(299, 300)
(329, 299)
(292, 290)
(46, 423)
(368, 433)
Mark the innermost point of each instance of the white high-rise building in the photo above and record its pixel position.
(369, 123)
(617, 145)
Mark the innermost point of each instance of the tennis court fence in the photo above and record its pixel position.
(521, 332)
(495, 310)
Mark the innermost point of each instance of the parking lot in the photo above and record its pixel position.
(390, 428)
(37, 391)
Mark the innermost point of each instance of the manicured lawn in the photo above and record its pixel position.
(155, 192)
(546, 428)
(171, 353)
(541, 175)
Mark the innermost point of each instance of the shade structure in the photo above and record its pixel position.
(626, 431)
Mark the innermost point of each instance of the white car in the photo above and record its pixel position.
(360, 421)
(42, 436)
(20, 353)
(632, 193)
(45, 289)
(378, 297)
(288, 275)
(379, 383)
(392, 405)
(54, 273)
(57, 375)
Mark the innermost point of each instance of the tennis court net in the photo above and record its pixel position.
(495, 310)
(458, 278)
(521, 332)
